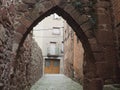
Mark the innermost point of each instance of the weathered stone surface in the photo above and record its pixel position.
(2, 33)
(96, 48)
(1, 86)
(105, 69)
(21, 29)
(25, 22)
(105, 37)
(17, 38)
(73, 55)
(68, 52)
(1, 43)
(116, 12)
(29, 1)
(104, 19)
(12, 70)
(22, 8)
(99, 56)
(109, 53)
(29, 60)
(94, 84)
(14, 13)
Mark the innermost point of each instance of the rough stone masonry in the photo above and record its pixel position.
(101, 44)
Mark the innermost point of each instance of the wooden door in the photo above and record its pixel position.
(52, 66)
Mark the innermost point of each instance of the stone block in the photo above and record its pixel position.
(93, 84)
(15, 47)
(1, 49)
(48, 4)
(17, 38)
(105, 37)
(22, 8)
(29, 1)
(96, 48)
(25, 22)
(99, 56)
(21, 29)
(61, 3)
(93, 41)
(69, 9)
(1, 86)
(36, 12)
(104, 19)
(83, 18)
(105, 69)
(12, 9)
(105, 27)
(103, 4)
(1, 43)
(86, 26)
(110, 53)
(2, 33)
(76, 16)
(89, 33)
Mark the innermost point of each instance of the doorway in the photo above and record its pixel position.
(52, 66)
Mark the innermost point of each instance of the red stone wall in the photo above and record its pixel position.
(78, 59)
(105, 53)
(102, 44)
(116, 10)
(73, 55)
(116, 16)
(68, 52)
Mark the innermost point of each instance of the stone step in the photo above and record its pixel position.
(112, 87)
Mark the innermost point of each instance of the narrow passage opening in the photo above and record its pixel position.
(61, 50)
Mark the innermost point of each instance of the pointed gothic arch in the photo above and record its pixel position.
(78, 23)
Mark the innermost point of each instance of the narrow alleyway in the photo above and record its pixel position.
(56, 82)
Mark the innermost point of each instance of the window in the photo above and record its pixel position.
(56, 63)
(56, 31)
(47, 63)
(52, 48)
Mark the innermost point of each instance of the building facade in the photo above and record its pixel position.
(49, 36)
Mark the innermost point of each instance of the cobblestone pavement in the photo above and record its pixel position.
(56, 82)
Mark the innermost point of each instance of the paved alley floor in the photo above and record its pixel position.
(56, 82)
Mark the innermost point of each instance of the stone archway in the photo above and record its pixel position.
(19, 17)
(37, 11)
